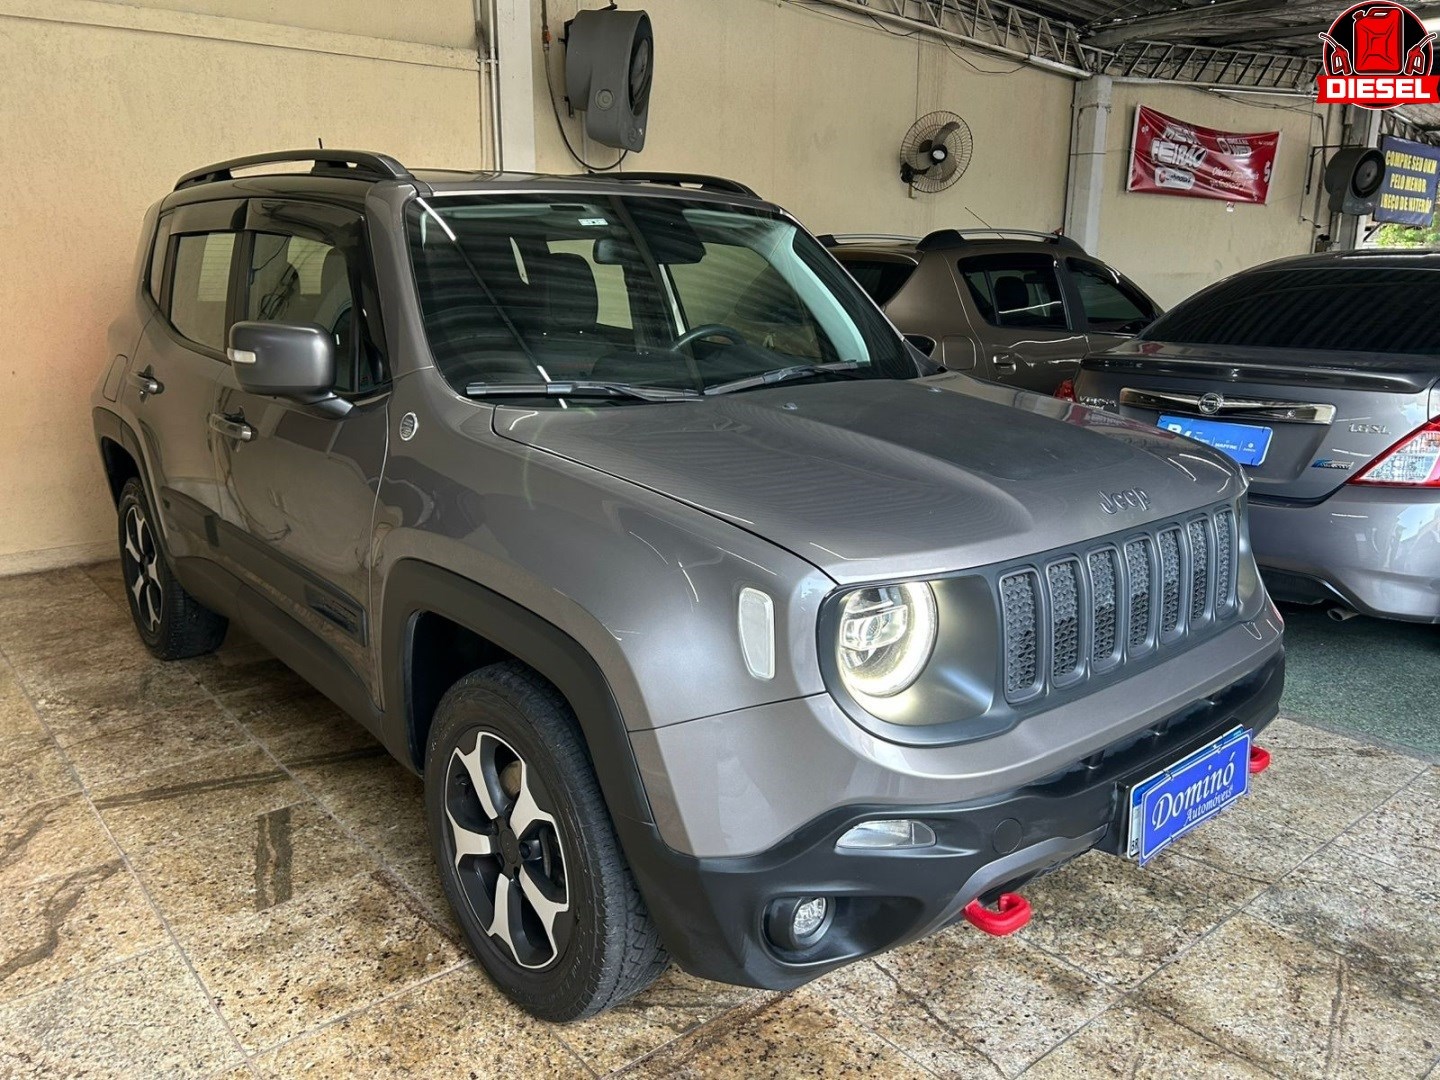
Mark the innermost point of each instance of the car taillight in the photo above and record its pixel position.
(1412, 462)
(1066, 390)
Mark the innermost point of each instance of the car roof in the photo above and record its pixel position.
(1367, 258)
(348, 175)
(970, 241)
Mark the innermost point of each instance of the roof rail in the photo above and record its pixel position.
(361, 164)
(831, 239)
(701, 180)
(946, 238)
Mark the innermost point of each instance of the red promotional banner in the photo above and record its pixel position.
(1171, 157)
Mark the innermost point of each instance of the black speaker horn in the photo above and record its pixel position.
(1354, 177)
(609, 68)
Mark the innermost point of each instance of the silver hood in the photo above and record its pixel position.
(877, 479)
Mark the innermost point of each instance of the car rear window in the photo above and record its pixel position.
(882, 279)
(1332, 308)
(1016, 291)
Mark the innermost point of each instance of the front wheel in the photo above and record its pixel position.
(526, 851)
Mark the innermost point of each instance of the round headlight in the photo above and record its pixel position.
(886, 635)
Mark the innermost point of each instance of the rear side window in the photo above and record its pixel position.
(880, 278)
(1109, 301)
(1016, 291)
(200, 286)
(1334, 308)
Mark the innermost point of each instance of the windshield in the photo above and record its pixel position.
(1329, 308)
(635, 291)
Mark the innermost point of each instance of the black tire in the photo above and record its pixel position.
(603, 948)
(172, 623)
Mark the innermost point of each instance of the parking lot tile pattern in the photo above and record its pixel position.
(207, 870)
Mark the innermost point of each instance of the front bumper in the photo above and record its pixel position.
(711, 910)
(1373, 549)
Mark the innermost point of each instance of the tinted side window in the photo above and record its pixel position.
(1016, 291)
(200, 286)
(881, 279)
(1359, 309)
(298, 280)
(1109, 301)
(155, 277)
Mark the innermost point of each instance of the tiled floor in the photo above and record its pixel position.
(205, 870)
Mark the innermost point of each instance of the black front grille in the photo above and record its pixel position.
(1019, 598)
(1078, 614)
(1140, 564)
(1064, 580)
(1104, 590)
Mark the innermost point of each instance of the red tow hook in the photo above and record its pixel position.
(1012, 913)
(1259, 760)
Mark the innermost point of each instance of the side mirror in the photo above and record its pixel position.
(925, 344)
(283, 360)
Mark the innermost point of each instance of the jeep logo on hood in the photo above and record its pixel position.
(1112, 502)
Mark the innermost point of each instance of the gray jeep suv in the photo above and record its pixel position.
(720, 626)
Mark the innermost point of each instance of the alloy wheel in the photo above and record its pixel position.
(141, 556)
(507, 852)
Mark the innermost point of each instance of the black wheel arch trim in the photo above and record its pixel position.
(108, 425)
(414, 588)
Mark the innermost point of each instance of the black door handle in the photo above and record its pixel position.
(232, 427)
(146, 383)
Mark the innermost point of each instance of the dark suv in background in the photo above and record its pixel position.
(721, 626)
(1007, 305)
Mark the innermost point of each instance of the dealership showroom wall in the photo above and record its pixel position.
(758, 538)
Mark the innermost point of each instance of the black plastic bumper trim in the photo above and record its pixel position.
(711, 911)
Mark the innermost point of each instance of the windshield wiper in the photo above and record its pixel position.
(582, 388)
(767, 378)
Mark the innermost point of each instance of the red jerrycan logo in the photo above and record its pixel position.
(1378, 55)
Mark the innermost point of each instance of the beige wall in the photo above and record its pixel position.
(106, 103)
(809, 106)
(1172, 246)
(104, 106)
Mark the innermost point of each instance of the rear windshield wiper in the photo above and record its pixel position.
(797, 371)
(583, 388)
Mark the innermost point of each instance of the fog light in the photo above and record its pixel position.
(887, 835)
(798, 922)
(809, 917)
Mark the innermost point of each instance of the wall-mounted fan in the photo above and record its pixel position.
(935, 152)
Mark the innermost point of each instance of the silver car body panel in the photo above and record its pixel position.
(1321, 538)
(891, 480)
(739, 783)
(1373, 549)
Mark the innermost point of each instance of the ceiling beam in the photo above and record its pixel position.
(1158, 26)
(1273, 34)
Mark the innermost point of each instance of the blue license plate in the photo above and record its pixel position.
(1171, 803)
(1246, 443)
